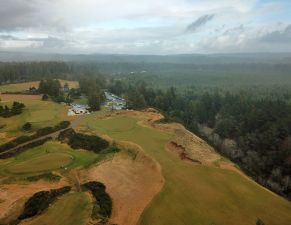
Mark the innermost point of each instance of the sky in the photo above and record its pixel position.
(157, 27)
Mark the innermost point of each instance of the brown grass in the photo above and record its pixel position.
(132, 180)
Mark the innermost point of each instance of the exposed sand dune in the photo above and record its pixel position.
(194, 148)
(132, 180)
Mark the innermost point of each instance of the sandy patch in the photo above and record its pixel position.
(7, 98)
(12, 196)
(187, 145)
(132, 180)
(181, 152)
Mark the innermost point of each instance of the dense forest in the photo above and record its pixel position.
(21, 72)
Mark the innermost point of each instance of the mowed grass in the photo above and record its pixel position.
(72, 208)
(47, 162)
(26, 85)
(196, 194)
(48, 157)
(37, 112)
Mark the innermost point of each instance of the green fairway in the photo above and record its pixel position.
(114, 125)
(48, 157)
(195, 194)
(72, 208)
(48, 162)
(37, 112)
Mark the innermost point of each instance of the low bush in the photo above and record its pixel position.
(88, 142)
(103, 200)
(16, 109)
(111, 149)
(66, 135)
(27, 126)
(40, 201)
(45, 176)
(83, 141)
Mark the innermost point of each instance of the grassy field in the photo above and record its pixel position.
(39, 113)
(25, 86)
(72, 208)
(48, 162)
(48, 157)
(195, 194)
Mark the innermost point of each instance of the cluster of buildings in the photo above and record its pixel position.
(77, 109)
(114, 102)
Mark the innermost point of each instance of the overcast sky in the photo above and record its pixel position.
(145, 26)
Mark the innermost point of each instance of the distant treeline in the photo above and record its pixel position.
(28, 71)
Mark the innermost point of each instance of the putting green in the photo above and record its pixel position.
(49, 161)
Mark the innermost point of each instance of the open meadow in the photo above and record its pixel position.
(194, 194)
(26, 85)
(37, 112)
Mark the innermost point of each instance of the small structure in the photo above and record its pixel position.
(66, 88)
(77, 109)
(114, 102)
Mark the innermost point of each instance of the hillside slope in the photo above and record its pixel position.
(209, 192)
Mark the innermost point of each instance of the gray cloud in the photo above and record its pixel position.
(5, 37)
(50, 42)
(279, 36)
(16, 14)
(201, 21)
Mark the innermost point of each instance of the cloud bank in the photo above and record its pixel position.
(145, 26)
